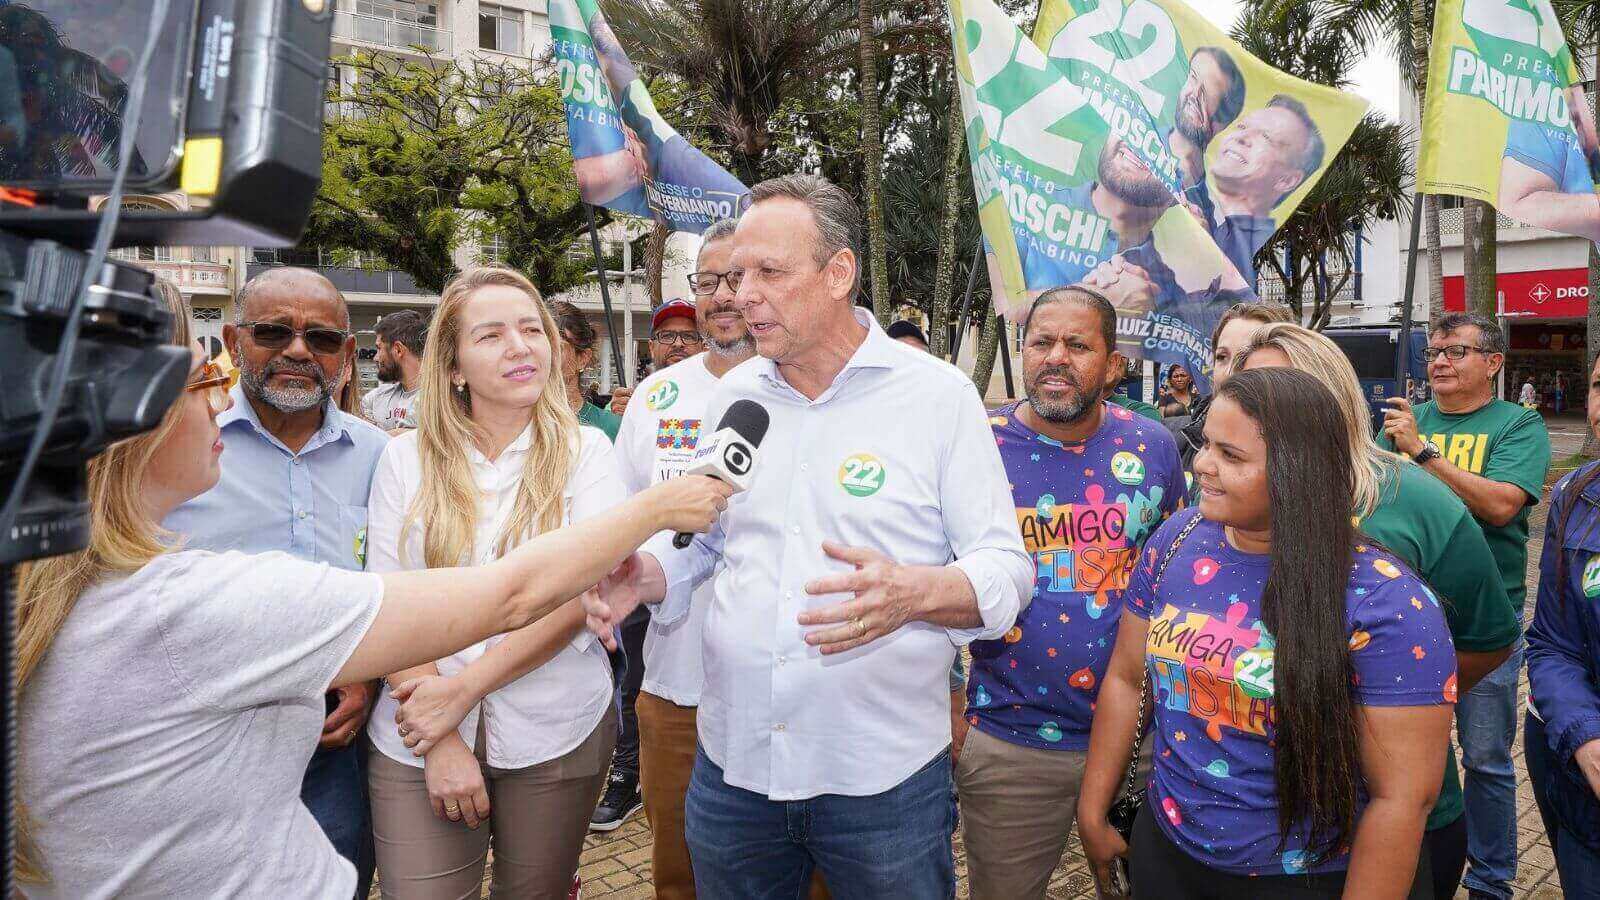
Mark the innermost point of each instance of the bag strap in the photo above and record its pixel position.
(1144, 679)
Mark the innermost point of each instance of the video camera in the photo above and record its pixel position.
(226, 106)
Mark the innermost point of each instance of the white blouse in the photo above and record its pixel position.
(552, 709)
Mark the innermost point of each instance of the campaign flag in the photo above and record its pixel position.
(626, 157)
(1506, 119)
(1240, 140)
(1095, 151)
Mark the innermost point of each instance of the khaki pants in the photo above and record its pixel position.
(667, 741)
(1018, 805)
(538, 817)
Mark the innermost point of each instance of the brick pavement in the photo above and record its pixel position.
(616, 866)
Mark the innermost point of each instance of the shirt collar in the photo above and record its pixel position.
(519, 446)
(335, 424)
(876, 352)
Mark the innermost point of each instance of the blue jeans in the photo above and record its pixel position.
(1486, 725)
(894, 844)
(335, 791)
(1570, 813)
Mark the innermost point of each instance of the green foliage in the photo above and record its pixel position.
(424, 155)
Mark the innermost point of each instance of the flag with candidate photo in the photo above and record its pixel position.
(1135, 149)
(625, 155)
(1506, 119)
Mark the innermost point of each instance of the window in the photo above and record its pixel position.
(499, 29)
(203, 254)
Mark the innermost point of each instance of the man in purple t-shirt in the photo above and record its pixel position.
(1091, 481)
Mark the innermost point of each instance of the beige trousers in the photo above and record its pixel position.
(538, 817)
(1018, 805)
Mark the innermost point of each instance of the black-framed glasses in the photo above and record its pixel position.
(276, 336)
(1454, 352)
(677, 338)
(704, 284)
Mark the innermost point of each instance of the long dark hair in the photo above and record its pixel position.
(1317, 759)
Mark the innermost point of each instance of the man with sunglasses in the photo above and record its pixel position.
(1494, 455)
(295, 476)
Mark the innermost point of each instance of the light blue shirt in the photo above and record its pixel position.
(311, 504)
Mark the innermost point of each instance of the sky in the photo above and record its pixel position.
(1376, 78)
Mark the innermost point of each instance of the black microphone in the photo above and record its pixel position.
(729, 454)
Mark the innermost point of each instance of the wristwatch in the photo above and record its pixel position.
(1429, 451)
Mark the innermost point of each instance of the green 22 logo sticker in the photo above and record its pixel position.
(861, 475)
(662, 396)
(1591, 578)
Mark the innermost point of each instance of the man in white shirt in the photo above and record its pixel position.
(393, 407)
(657, 441)
(877, 535)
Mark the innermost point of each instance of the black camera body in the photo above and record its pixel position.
(232, 116)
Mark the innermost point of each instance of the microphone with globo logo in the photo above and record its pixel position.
(729, 454)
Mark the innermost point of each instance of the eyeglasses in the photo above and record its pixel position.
(214, 383)
(704, 284)
(276, 336)
(1453, 352)
(677, 338)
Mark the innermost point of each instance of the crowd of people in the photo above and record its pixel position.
(308, 644)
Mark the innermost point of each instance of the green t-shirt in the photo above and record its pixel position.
(1502, 442)
(1138, 406)
(603, 419)
(1424, 523)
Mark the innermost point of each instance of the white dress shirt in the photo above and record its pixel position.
(896, 455)
(657, 440)
(552, 709)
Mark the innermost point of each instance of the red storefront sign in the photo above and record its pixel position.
(1545, 294)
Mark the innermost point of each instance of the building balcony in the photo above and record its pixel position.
(348, 272)
(390, 34)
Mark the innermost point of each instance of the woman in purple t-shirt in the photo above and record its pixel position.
(1319, 789)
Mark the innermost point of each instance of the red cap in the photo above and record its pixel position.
(667, 310)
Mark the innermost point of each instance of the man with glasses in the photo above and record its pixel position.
(674, 337)
(295, 476)
(1494, 455)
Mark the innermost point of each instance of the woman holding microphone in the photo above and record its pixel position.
(169, 700)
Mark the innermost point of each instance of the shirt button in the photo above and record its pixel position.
(795, 529)
(778, 727)
(298, 461)
(300, 514)
(788, 595)
(782, 660)
(805, 467)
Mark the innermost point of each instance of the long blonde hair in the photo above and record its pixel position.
(122, 540)
(448, 500)
(1316, 355)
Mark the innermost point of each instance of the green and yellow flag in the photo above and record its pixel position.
(1506, 119)
(1135, 149)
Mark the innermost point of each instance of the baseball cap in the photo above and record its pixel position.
(674, 307)
(905, 328)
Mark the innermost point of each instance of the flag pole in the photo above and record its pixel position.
(966, 303)
(605, 297)
(1402, 353)
(1005, 356)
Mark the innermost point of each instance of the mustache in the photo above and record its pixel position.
(292, 367)
(1061, 372)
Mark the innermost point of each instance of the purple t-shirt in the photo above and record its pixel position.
(1084, 510)
(1210, 663)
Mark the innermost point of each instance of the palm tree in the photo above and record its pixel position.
(872, 159)
(955, 158)
(749, 56)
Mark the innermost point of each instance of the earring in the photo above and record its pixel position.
(461, 387)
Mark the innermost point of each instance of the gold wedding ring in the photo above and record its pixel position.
(861, 628)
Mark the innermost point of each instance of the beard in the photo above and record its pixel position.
(1191, 123)
(735, 347)
(388, 372)
(1142, 189)
(257, 385)
(1073, 409)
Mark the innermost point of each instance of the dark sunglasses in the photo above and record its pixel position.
(275, 336)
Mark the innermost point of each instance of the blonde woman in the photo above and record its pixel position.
(1421, 521)
(169, 700)
(498, 456)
